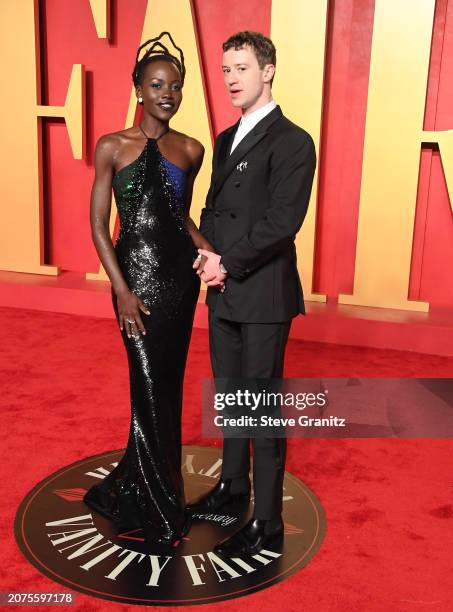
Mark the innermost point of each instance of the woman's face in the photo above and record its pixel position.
(161, 89)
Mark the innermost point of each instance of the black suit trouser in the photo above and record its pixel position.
(251, 351)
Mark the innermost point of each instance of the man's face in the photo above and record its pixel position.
(243, 78)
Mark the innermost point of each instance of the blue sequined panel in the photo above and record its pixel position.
(155, 254)
(177, 177)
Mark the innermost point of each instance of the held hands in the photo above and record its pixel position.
(207, 267)
(129, 306)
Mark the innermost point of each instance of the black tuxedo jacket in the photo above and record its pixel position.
(255, 206)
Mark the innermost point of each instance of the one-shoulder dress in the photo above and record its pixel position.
(155, 253)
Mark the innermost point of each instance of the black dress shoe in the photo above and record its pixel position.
(252, 538)
(219, 496)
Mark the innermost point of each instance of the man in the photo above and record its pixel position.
(263, 168)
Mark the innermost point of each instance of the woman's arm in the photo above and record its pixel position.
(101, 198)
(196, 151)
(129, 305)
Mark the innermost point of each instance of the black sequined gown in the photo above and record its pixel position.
(155, 253)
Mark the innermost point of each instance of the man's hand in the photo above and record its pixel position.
(208, 269)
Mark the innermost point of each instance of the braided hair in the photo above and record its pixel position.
(157, 51)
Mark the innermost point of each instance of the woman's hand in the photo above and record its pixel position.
(129, 306)
(199, 264)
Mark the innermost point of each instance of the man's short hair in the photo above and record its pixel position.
(263, 47)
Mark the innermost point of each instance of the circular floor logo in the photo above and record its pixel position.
(75, 546)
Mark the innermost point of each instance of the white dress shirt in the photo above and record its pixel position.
(248, 122)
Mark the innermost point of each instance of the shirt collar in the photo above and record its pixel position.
(253, 118)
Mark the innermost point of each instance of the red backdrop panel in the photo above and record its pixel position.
(69, 37)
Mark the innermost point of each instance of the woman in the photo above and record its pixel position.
(151, 168)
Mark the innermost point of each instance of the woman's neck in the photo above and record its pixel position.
(153, 127)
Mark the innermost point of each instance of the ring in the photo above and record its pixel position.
(130, 321)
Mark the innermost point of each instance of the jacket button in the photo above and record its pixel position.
(233, 215)
(237, 184)
(217, 214)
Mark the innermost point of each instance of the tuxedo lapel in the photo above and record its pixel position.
(225, 147)
(228, 162)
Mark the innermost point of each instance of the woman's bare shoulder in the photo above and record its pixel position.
(110, 145)
(193, 148)
(117, 138)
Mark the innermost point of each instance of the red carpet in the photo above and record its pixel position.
(389, 503)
